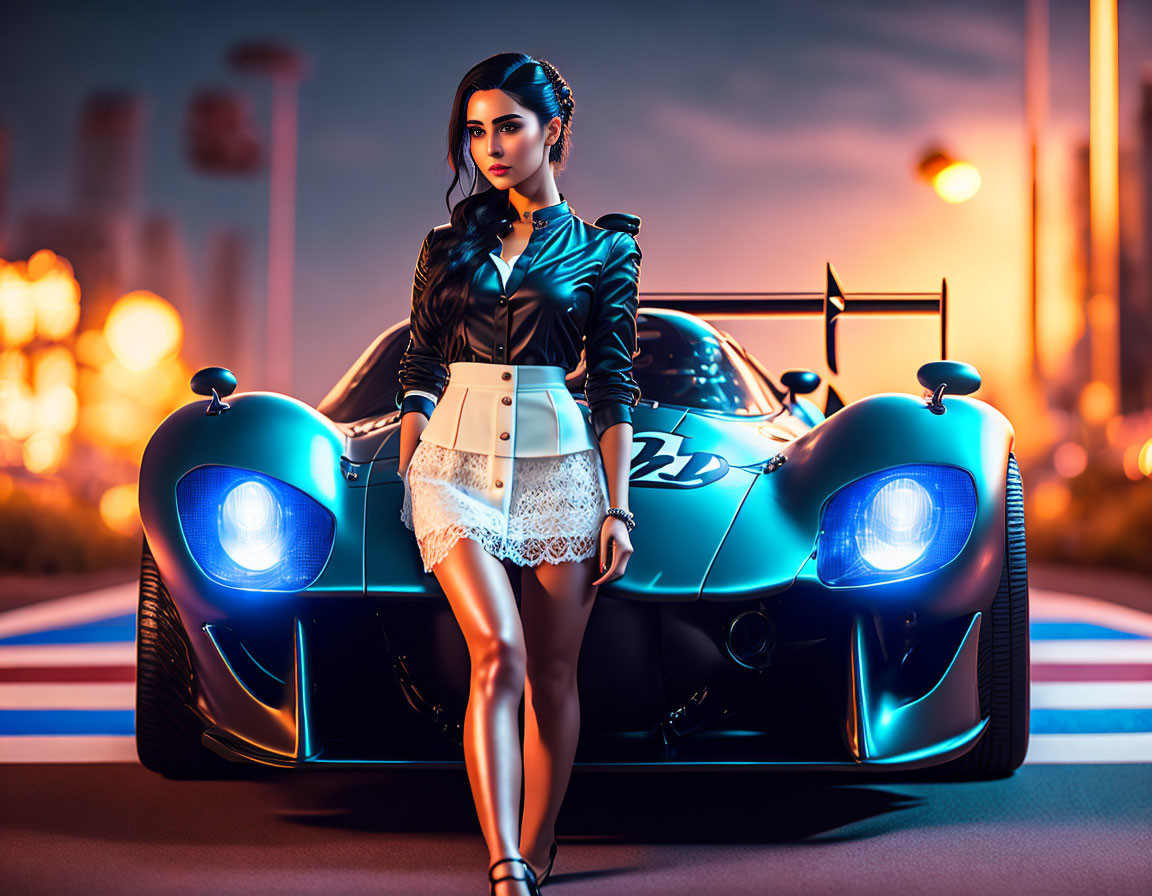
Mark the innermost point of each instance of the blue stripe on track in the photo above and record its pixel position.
(98, 631)
(67, 721)
(1078, 631)
(1090, 721)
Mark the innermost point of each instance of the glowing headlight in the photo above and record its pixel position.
(252, 531)
(894, 524)
(252, 526)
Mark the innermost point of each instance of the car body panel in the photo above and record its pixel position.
(367, 665)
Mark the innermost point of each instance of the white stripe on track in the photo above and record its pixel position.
(1045, 606)
(83, 748)
(66, 612)
(101, 695)
(1102, 651)
(118, 654)
(1091, 695)
(1078, 749)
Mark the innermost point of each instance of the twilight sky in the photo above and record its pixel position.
(756, 141)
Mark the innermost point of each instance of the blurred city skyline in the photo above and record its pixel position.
(756, 142)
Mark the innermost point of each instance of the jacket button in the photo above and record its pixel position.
(504, 436)
(506, 399)
(499, 483)
(503, 301)
(499, 348)
(506, 375)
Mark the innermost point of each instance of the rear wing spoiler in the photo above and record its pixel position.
(832, 303)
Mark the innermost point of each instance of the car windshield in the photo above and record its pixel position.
(684, 361)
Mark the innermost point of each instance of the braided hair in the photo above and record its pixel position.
(485, 212)
(559, 150)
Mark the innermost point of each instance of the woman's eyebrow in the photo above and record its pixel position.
(496, 120)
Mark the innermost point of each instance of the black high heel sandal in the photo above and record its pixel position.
(529, 876)
(551, 858)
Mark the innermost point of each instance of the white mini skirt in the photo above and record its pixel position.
(508, 460)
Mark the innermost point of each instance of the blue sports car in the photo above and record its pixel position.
(836, 588)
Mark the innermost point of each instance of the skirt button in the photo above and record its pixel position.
(506, 375)
(499, 483)
(506, 399)
(504, 435)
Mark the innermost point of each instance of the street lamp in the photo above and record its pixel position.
(952, 179)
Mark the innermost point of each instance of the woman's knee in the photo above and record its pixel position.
(500, 662)
(551, 677)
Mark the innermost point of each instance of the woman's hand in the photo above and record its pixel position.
(614, 544)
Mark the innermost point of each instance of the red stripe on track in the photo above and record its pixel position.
(1092, 672)
(68, 673)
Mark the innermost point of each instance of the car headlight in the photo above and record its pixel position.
(248, 530)
(895, 524)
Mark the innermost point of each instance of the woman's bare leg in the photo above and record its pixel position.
(477, 587)
(556, 601)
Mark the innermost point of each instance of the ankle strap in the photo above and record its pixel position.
(528, 874)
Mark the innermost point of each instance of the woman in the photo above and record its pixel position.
(498, 461)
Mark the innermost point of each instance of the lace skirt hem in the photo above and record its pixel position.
(435, 545)
(554, 512)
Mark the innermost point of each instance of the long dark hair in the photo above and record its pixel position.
(485, 212)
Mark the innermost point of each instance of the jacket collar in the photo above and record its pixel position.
(544, 217)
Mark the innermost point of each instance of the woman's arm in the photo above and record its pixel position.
(423, 373)
(611, 388)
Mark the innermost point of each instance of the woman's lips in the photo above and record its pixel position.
(497, 169)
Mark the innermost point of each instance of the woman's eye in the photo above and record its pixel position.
(479, 132)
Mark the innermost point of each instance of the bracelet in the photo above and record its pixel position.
(621, 513)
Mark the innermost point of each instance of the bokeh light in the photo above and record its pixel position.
(142, 330)
(959, 182)
(1097, 402)
(17, 313)
(1144, 460)
(43, 452)
(1069, 459)
(1050, 499)
(119, 508)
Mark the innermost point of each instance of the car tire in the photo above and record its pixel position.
(1003, 656)
(168, 727)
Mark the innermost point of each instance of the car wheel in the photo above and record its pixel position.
(1002, 669)
(168, 728)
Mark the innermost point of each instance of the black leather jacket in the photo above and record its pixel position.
(575, 285)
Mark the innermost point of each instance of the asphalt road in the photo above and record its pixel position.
(117, 828)
(78, 814)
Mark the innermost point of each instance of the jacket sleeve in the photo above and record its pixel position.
(423, 373)
(610, 339)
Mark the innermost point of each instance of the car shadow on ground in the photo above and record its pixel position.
(694, 807)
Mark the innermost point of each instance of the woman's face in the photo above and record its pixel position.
(504, 134)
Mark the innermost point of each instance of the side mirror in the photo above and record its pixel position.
(960, 378)
(800, 382)
(954, 376)
(209, 379)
